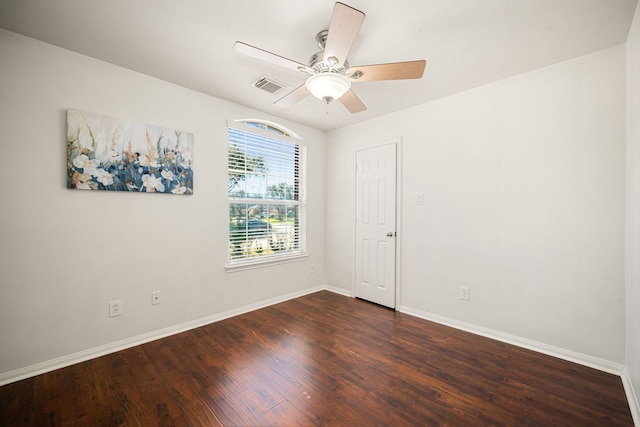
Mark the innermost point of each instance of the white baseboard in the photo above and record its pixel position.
(632, 397)
(561, 353)
(91, 353)
(340, 291)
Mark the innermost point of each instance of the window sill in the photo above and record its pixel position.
(250, 265)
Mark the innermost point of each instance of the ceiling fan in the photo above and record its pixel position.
(330, 75)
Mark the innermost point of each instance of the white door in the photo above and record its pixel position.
(375, 275)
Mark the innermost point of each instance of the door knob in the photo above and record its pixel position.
(390, 234)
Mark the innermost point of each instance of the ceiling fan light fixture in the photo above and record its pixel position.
(328, 86)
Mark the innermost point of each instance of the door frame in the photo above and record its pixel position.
(398, 252)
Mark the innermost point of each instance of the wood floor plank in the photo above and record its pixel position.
(322, 359)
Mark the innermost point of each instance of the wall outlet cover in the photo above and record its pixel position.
(115, 308)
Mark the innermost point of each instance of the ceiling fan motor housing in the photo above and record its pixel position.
(316, 61)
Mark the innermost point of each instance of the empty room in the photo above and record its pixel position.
(431, 213)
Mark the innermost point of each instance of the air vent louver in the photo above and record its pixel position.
(269, 85)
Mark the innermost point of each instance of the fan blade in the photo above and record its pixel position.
(292, 97)
(343, 30)
(390, 71)
(264, 55)
(351, 101)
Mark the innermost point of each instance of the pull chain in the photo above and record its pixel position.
(327, 100)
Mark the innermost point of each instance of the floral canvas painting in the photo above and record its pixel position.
(105, 153)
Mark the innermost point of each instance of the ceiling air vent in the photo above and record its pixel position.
(270, 85)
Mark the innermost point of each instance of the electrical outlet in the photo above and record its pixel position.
(156, 298)
(115, 308)
(465, 293)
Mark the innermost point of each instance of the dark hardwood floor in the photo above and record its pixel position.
(322, 359)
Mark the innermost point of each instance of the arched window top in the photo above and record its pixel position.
(269, 126)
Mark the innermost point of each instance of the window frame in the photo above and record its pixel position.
(273, 131)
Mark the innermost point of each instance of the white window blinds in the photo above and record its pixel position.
(267, 210)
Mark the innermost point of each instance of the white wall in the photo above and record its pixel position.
(65, 253)
(632, 359)
(523, 184)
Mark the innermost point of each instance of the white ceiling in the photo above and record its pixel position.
(466, 43)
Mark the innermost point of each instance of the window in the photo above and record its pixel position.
(267, 180)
